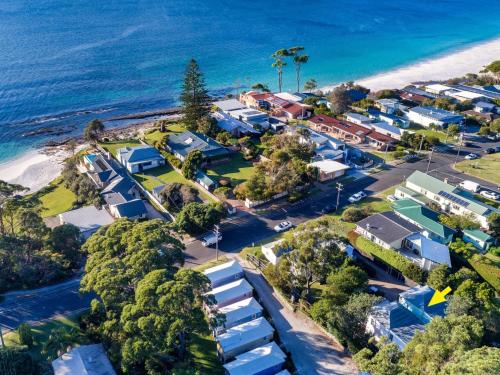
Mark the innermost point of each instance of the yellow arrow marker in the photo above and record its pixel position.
(438, 296)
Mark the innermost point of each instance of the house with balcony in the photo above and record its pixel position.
(183, 143)
(140, 158)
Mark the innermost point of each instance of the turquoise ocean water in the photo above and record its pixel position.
(64, 62)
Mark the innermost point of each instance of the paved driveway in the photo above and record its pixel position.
(312, 351)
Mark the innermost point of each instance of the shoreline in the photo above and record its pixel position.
(36, 168)
(452, 64)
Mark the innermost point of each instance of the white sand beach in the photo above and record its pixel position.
(34, 169)
(456, 64)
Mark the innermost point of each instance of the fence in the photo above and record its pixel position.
(257, 262)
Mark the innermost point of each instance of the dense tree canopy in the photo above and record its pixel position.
(93, 131)
(192, 164)
(176, 195)
(195, 218)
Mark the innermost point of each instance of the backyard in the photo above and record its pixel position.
(238, 170)
(112, 147)
(56, 198)
(486, 168)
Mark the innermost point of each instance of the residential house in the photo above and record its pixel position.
(205, 181)
(357, 118)
(238, 313)
(326, 147)
(427, 116)
(233, 126)
(182, 144)
(486, 92)
(224, 273)
(482, 241)
(296, 97)
(329, 169)
(485, 107)
(266, 359)
(230, 293)
(101, 168)
(389, 118)
(386, 229)
(380, 141)
(134, 209)
(273, 251)
(425, 218)
(84, 360)
(251, 116)
(424, 252)
(422, 187)
(140, 158)
(244, 337)
(390, 106)
(341, 129)
(255, 99)
(437, 88)
(465, 95)
(275, 105)
(399, 321)
(228, 105)
(415, 94)
(88, 219)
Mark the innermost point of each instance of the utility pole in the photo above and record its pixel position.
(421, 144)
(339, 189)
(429, 163)
(216, 231)
(1, 337)
(460, 140)
(385, 153)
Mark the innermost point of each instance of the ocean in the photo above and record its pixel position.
(64, 62)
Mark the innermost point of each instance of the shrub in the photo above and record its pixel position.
(355, 214)
(399, 154)
(414, 272)
(223, 192)
(224, 181)
(25, 335)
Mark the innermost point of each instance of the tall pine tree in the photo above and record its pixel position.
(194, 97)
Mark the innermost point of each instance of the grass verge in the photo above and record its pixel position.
(486, 168)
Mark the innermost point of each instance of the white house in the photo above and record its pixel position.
(356, 118)
(426, 116)
(437, 88)
(266, 359)
(140, 158)
(239, 313)
(273, 251)
(244, 337)
(84, 360)
(230, 293)
(389, 105)
(224, 273)
(425, 253)
(329, 169)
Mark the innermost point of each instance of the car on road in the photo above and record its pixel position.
(283, 226)
(392, 198)
(357, 197)
(490, 195)
(489, 150)
(471, 156)
(492, 137)
(211, 239)
(327, 209)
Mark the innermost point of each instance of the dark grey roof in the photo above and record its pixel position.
(135, 207)
(186, 142)
(120, 185)
(388, 227)
(139, 153)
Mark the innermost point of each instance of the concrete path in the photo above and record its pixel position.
(312, 351)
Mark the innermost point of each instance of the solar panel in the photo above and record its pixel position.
(453, 198)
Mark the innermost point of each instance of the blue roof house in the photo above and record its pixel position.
(398, 321)
(426, 116)
(140, 158)
(182, 144)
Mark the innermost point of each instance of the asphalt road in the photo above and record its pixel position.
(45, 303)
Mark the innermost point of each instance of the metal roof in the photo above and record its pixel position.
(132, 208)
(437, 114)
(230, 291)
(240, 310)
(388, 227)
(87, 218)
(431, 250)
(223, 271)
(138, 154)
(257, 361)
(244, 334)
(188, 141)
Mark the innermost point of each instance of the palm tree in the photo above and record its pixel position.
(298, 61)
(279, 62)
(310, 85)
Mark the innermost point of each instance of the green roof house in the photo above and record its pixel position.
(482, 241)
(450, 198)
(424, 218)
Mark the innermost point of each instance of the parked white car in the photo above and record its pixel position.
(357, 197)
(210, 239)
(470, 185)
(471, 156)
(283, 226)
(490, 195)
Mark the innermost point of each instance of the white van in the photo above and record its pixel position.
(210, 239)
(470, 185)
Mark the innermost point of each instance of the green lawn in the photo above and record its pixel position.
(486, 168)
(432, 133)
(56, 198)
(153, 136)
(112, 147)
(488, 266)
(167, 175)
(238, 169)
(41, 333)
(387, 156)
(203, 350)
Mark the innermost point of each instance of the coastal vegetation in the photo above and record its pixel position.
(31, 254)
(93, 131)
(136, 284)
(194, 97)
